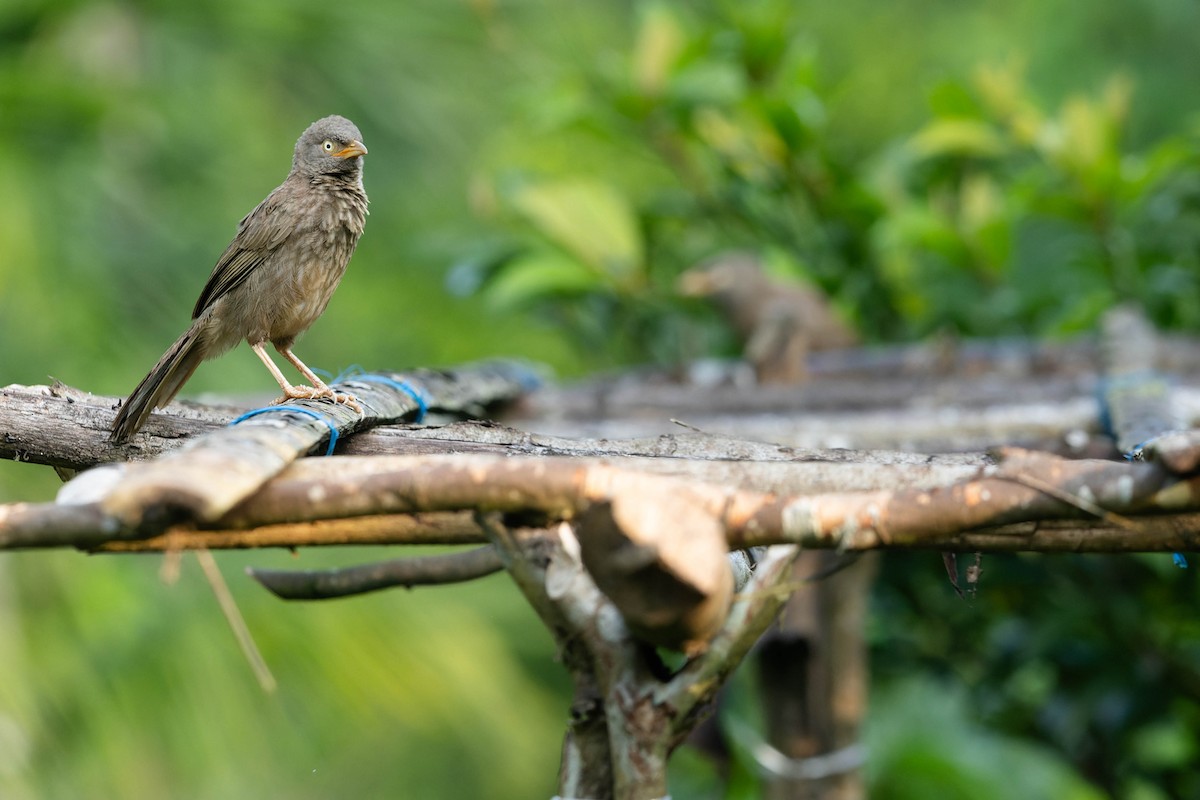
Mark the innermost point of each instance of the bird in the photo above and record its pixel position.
(778, 323)
(276, 277)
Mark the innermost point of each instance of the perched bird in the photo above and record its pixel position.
(277, 275)
(777, 322)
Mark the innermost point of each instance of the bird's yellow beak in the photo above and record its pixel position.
(355, 148)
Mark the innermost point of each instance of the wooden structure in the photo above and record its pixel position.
(640, 511)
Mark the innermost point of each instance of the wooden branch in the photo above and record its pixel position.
(623, 695)
(975, 373)
(348, 486)
(446, 527)
(897, 406)
(1015, 491)
(661, 561)
(909, 517)
(1137, 398)
(407, 572)
(693, 687)
(206, 477)
(586, 769)
(47, 525)
(927, 426)
(43, 424)
(1025, 488)
(708, 458)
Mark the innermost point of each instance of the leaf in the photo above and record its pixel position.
(540, 275)
(953, 99)
(716, 83)
(589, 219)
(956, 136)
(660, 40)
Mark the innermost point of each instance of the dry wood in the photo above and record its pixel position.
(51, 424)
(448, 527)
(1137, 398)
(918, 516)
(209, 475)
(928, 409)
(323, 584)
(661, 561)
(630, 706)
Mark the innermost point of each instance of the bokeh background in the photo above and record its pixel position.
(539, 174)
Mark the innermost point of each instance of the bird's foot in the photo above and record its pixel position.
(319, 393)
(347, 400)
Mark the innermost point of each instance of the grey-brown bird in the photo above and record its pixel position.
(777, 322)
(277, 275)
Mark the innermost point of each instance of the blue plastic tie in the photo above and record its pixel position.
(349, 372)
(317, 415)
(1135, 454)
(417, 395)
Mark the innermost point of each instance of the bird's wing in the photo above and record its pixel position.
(259, 234)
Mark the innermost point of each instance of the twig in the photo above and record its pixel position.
(787, 587)
(1082, 503)
(237, 622)
(407, 572)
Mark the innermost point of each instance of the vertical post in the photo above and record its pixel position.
(813, 674)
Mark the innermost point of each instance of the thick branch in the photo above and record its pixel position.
(66, 427)
(1027, 487)
(695, 686)
(586, 769)
(446, 527)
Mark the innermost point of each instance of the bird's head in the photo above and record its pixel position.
(724, 276)
(330, 146)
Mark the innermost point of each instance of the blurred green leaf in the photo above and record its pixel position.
(1167, 745)
(589, 219)
(958, 137)
(707, 83)
(659, 43)
(925, 742)
(953, 99)
(540, 275)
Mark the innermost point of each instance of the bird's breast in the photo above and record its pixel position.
(293, 285)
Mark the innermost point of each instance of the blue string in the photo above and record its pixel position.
(1123, 382)
(353, 369)
(333, 431)
(417, 395)
(1135, 454)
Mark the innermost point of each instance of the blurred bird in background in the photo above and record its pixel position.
(778, 322)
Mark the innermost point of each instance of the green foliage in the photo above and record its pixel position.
(716, 119)
(602, 148)
(1093, 655)
(925, 743)
(1039, 220)
(994, 217)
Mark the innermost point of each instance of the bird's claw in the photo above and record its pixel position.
(347, 400)
(320, 393)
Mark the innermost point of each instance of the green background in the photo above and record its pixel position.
(984, 168)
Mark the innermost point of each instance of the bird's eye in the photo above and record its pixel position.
(328, 145)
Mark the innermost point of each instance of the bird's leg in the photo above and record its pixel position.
(261, 351)
(320, 388)
(290, 392)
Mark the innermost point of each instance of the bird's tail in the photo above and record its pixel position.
(157, 388)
